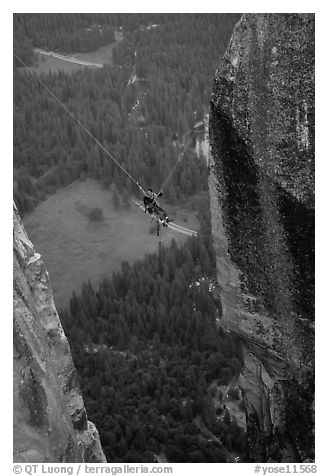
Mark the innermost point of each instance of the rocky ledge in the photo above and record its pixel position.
(50, 420)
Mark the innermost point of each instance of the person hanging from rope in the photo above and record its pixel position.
(150, 201)
(152, 207)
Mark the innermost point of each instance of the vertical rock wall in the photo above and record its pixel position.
(50, 421)
(262, 142)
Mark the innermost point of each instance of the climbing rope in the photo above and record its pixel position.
(82, 126)
(180, 156)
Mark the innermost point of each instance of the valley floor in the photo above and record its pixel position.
(75, 249)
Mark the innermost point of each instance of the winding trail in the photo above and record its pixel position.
(181, 229)
(70, 59)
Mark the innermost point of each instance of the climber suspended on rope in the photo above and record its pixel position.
(150, 202)
(152, 208)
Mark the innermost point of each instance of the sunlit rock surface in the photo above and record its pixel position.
(262, 203)
(50, 421)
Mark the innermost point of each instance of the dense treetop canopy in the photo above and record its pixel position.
(174, 62)
(147, 347)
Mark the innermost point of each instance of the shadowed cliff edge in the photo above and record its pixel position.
(262, 144)
(50, 421)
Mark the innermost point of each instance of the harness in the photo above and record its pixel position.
(154, 209)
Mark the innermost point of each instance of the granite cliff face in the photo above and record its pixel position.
(262, 203)
(50, 421)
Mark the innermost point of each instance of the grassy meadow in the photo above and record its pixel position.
(103, 55)
(76, 249)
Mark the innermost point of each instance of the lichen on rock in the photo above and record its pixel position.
(262, 143)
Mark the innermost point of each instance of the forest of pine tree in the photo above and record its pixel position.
(147, 348)
(176, 63)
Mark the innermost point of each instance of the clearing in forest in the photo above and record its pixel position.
(76, 249)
